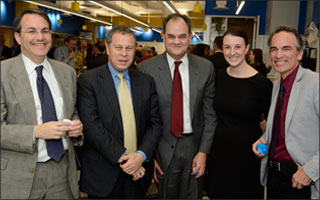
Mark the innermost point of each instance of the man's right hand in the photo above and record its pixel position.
(51, 130)
(156, 168)
(70, 55)
(254, 147)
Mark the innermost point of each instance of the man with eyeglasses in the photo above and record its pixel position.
(38, 117)
(66, 53)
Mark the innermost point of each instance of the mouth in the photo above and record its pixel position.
(280, 62)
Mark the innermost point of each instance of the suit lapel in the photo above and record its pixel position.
(193, 82)
(136, 91)
(22, 90)
(164, 75)
(108, 88)
(64, 87)
(295, 90)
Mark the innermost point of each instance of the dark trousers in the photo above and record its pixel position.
(125, 188)
(279, 184)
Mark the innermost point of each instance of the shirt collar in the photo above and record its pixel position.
(114, 72)
(171, 61)
(30, 65)
(288, 81)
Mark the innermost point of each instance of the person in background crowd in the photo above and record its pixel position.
(5, 51)
(99, 58)
(37, 94)
(90, 53)
(256, 61)
(217, 59)
(137, 54)
(242, 96)
(291, 168)
(16, 50)
(153, 51)
(202, 50)
(185, 84)
(122, 124)
(67, 53)
(145, 53)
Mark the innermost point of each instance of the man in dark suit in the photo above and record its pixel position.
(185, 84)
(99, 58)
(122, 123)
(37, 94)
(217, 59)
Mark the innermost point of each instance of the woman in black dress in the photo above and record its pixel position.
(242, 98)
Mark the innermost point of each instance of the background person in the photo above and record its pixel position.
(217, 59)
(256, 61)
(66, 53)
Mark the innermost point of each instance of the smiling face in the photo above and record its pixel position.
(283, 53)
(34, 38)
(234, 50)
(121, 51)
(176, 38)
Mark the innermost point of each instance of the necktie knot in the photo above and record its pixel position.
(177, 64)
(120, 76)
(39, 70)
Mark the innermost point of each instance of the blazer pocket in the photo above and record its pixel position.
(4, 163)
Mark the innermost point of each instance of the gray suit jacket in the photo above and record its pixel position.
(18, 117)
(301, 126)
(202, 91)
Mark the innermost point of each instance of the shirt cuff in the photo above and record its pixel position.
(143, 154)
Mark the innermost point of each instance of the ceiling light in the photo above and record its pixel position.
(67, 11)
(197, 7)
(240, 7)
(168, 6)
(136, 30)
(156, 30)
(119, 13)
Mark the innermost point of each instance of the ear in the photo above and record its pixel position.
(300, 54)
(247, 48)
(17, 36)
(107, 48)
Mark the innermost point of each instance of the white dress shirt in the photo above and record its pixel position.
(50, 78)
(184, 73)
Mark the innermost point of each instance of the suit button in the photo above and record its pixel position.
(31, 170)
(172, 146)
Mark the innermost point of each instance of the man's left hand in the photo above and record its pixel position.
(76, 129)
(199, 164)
(300, 179)
(133, 162)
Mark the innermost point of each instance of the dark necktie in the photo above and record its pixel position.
(177, 103)
(54, 147)
(276, 122)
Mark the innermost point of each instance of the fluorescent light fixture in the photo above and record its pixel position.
(168, 6)
(240, 7)
(197, 36)
(136, 30)
(156, 30)
(119, 13)
(69, 12)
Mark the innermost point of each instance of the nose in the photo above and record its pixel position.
(232, 51)
(123, 52)
(39, 35)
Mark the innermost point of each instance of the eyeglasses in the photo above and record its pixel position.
(33, 32)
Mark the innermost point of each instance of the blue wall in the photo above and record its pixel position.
(70, 24)
(316, 16)
(7, 13)
(251, 8)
